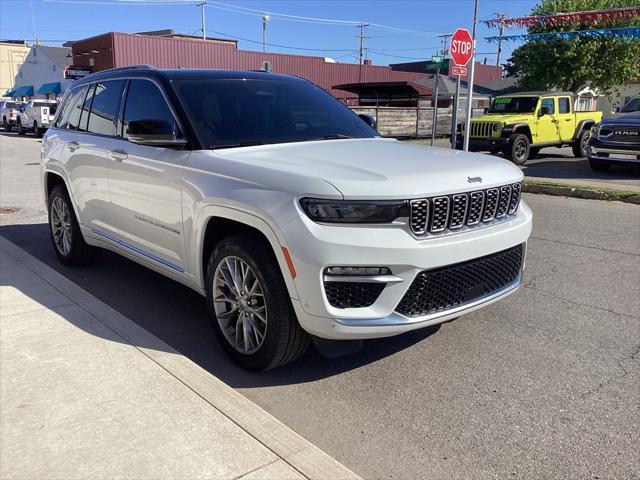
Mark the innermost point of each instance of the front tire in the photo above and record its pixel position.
(579, 146)
(21, 130)
(250, 307)
(518, 149)
(37, 131)
(64, 230)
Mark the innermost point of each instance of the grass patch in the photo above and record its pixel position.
(579, 191)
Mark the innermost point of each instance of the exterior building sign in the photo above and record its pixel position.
(73, 72)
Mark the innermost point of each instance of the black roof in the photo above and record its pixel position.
(183, 73)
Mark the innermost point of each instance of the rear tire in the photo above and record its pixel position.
(237, 313)
(518, 149)
(579, 146)
(36, 130)
(64, 230)
(6, 125)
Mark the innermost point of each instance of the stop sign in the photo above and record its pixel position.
(461, 46)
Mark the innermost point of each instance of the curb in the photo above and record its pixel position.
(300, 454)
(581, 191)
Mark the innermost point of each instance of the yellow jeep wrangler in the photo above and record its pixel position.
(521, 124)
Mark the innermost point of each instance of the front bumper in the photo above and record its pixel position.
(483, 144)
(618, 152)
(314, 247)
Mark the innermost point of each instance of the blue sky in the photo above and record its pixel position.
(407, 29)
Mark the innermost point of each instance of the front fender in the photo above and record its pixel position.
(237, 214)
(511, 128)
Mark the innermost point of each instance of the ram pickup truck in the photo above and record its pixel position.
(616, 140)
(9, 111)
(520, 125)
(36, 116)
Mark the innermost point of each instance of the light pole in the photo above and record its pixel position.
(467, 124)
(202, 20)
(265, 20)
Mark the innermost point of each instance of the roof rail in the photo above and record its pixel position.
(130, 67)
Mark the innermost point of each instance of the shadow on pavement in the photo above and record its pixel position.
(179, 317)
(555, 167)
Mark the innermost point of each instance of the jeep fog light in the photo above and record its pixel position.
(357, 271)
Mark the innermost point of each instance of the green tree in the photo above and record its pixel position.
(570, 64)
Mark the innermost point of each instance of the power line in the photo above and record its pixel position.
(280, 45)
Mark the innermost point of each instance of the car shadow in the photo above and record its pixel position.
(554, 167)
(178, 316)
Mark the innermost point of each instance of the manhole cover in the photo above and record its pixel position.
(7, 210)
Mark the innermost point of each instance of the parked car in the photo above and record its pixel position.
(522, 124)
(616, 140)
(282, 207)
(9, 111)
(36, 116)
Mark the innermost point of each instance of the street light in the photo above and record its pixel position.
(265, 20)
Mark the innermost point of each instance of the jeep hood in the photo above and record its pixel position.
(379, 168)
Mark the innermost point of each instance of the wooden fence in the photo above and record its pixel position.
(414, 122)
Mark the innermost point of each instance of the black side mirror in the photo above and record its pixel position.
(485, 110)
(155, 132)
(368, 119)
(543, 111)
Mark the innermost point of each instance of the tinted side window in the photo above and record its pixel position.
(105, 107)
(549, 105)
(146, 102)
(563, 105)
(70, 114)
(85, 107)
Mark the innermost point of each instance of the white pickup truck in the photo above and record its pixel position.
(9, 110)
(36, 116)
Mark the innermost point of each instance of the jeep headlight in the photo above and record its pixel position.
(354, 211)
(497, 127)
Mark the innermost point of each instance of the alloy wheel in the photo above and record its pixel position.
(61, 225)
(239, 305)
(584, 142)
(521, 148)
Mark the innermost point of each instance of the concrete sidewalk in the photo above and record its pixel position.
(87, 393)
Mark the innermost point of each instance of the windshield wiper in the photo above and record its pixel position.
(333, 136)
(250, 143)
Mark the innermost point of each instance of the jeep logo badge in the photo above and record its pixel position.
(474, 179)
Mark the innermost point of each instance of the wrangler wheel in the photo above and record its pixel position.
(518, 149)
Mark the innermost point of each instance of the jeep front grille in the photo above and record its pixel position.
(483, 129)
(452, 212)
(442, 289)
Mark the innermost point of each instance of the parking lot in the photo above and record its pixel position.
(541, 385)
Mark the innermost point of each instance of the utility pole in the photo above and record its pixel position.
(500, 16)
(362, 37)
(265, 20)
(467, 124)
(202, 19)
(445, 40)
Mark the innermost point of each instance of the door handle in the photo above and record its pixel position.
(567, 119)
(73, 146)
(119, 155)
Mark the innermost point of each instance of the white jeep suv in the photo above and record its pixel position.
(281, 206)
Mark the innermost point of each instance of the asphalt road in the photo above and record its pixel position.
(545, 384)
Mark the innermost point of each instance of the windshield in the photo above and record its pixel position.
(12, 105)
(513, 105)
(241, 112)
(632, 106)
